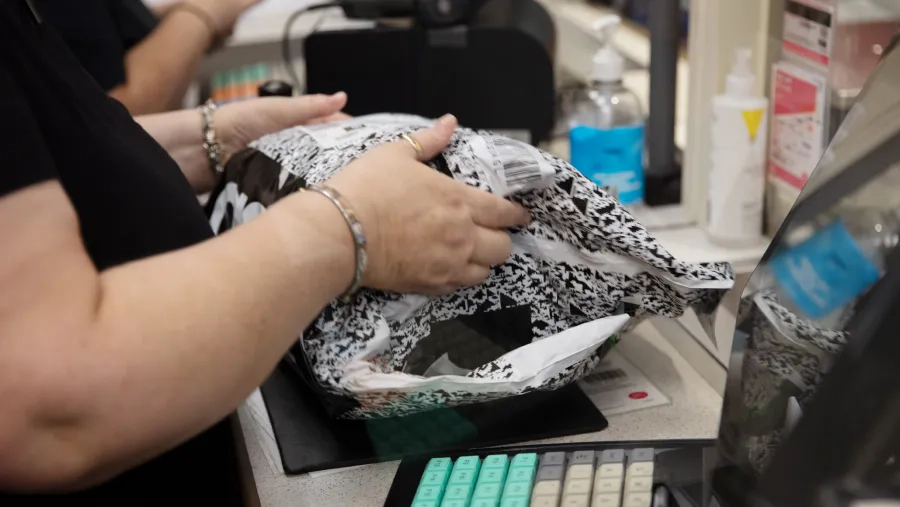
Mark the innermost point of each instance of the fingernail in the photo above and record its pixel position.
(339, 95)
(447, 119)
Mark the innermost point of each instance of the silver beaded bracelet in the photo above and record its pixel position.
(356, 230)
(214, 151)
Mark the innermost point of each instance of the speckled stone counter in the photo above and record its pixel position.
(693, 413)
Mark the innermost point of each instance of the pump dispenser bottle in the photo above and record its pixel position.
(606, 129)
(737, 175)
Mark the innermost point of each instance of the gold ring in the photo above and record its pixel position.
(415, 144)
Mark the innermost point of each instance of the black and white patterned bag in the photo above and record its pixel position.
(783, 362)
(543, 319)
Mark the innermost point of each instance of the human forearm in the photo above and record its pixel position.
(181, 132)
(160, 68)
(175, 342)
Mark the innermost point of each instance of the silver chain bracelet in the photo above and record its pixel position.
(356, 230)
(214, 151)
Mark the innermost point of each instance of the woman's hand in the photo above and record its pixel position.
(426, 232)
(240, 123)
(181, 134)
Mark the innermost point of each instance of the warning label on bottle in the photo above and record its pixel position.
(753, 118)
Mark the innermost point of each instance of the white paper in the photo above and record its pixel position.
(532, 364)
(617, 387)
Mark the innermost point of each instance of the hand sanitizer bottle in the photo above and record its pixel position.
(606, 129)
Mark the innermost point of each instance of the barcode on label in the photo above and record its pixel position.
(605, 376)
(521, 168)
(342, 135)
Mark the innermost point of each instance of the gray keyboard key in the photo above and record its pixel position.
(642, 454)
(582, 457)
(553, 458)
(550, 473)
(612, 456)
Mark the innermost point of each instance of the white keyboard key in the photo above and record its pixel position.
(577, 487)
(642, 468)
(576, 501)
(580, 472)
(606, 500)
(543, 501)
(610, 470)
(639, 484)
(547, 488)
(637, 500)
(606, 485)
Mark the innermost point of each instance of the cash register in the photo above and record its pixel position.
(811, 414)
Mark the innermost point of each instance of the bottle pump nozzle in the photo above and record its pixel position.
(741, 79)
(608, 63)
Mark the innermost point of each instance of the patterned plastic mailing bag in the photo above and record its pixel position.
(785, 359)
(542, 320)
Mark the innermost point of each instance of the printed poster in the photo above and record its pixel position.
(808, 31)
(797, 142)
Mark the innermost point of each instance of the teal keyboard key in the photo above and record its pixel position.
(487, 491)
(467, 463)
(517, 489)
(429, 494)
(437, 464)
(525, 460)
(485, 502)
(519, 474)
(488, 475)
(457, 492)
(428, 503)
(438, 478)
(514, 502)
(496, 461)
(463, 477)
(455, 503)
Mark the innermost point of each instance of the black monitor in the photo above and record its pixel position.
(811, 415)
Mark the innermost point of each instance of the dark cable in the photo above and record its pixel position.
(286, 38)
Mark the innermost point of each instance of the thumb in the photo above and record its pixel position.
(435, 138)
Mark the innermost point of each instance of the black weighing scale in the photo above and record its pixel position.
(310, 440)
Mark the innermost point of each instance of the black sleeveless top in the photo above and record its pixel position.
(100, 32)
(132, 202)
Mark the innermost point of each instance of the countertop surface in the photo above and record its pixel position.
(693, 413)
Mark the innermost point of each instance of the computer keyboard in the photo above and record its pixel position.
(611, 478)
(586, 475)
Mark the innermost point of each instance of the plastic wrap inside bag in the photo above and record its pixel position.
(541, 321)
(782, 364)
